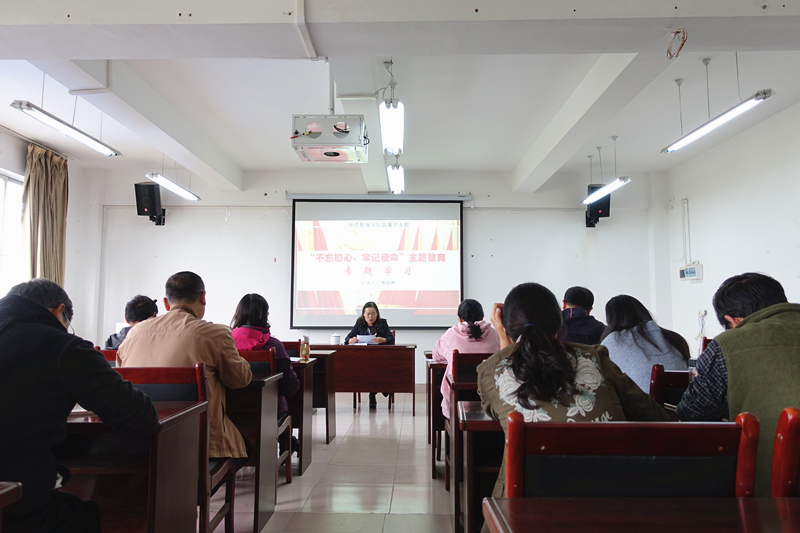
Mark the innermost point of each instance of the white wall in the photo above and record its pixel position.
(13, 153)
(241, 242)
(743, 201)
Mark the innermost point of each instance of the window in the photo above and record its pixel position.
(12, 264)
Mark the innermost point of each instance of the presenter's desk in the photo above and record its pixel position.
(374, 368)
(141, 482)
(254, 412)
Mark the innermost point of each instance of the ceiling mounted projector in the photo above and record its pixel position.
(330, 138)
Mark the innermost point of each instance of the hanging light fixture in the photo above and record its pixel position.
(396, 177)
(172, 186)
(719, 120)
(391, 112)
(605, 190)
(67, 129)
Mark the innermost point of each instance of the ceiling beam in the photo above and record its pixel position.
(355, 80)
(612, 82)
(54, 29)
(129, 100)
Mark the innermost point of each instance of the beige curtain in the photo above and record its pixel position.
(44, 213)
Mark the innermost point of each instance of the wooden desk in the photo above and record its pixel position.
(624, 515)
(325, 389)
(374, 368)
(10, 492)
(477, 445)
(300, 408)
(434, 377)
(254, 412)
(106, 467)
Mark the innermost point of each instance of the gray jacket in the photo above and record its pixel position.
(636, 356)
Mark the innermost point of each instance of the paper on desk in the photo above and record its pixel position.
(366, 339)
(79, 409)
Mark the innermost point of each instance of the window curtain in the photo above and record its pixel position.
(44, 213)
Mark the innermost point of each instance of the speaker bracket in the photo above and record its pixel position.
(159, 219)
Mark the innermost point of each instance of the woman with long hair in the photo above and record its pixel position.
(470, 335)
(636, 343)
(371, 323)
(546, 379)
(251, 331)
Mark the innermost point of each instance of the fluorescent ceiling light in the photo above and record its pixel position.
(172, 186)
(718, 121)
(607, 189)
(67, 129)
(392, 125)
(396, 178)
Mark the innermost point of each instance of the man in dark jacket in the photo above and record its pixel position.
(44, 371)
(579, 326)
(138, 309)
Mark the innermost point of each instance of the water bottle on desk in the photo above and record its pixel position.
(305, 348)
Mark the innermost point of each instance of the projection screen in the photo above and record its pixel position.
(403, 255)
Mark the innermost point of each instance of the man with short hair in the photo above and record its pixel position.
(44, 371)
(753, 366)
(181, 337)
(579, 326)
(138, 309)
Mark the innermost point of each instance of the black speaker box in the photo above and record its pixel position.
(600, 208)
(148, 199)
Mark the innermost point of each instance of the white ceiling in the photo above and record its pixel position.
(488, 91)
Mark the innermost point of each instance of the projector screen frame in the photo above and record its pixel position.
(380, 201)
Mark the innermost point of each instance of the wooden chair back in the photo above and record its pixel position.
(466, 364)
(260, 360)
(668, 386)
(631, 459)
(292, 348)
(110, 355)
(706, 341)
(786, 454)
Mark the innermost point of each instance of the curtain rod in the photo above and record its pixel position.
(28, 139)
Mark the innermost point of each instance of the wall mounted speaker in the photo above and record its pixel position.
(602, 207)
(148, 199)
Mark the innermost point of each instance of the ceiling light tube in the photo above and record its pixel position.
(172, 186)
(392, 126)
(607, 189)
(719, 120)
(67, 129)
(396, 178)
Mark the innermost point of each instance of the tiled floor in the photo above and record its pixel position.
(374, 477)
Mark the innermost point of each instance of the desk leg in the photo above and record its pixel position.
(174, 457)
(469, 481)
(265, 458)
(330, 394)
(304, 399)
(455, 463)
(428, 405)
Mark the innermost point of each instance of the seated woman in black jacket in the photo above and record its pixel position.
(371, 323)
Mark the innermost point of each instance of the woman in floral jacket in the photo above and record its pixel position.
(552, 381)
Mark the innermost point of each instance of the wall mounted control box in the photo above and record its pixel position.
(694, 271)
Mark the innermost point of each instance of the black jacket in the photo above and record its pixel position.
(580, 327)
(381, 329)
(44, 371)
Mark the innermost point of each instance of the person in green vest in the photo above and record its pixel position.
(753, 366)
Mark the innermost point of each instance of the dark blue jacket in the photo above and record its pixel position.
(580, 327)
